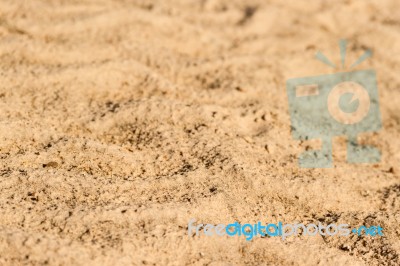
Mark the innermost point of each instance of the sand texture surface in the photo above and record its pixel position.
(122, 120)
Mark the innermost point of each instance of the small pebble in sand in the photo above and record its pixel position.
(51, 164)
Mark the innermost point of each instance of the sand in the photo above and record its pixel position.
(122, 120)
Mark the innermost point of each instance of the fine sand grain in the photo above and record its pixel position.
(122, 120)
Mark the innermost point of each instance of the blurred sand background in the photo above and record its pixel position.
(122, 120)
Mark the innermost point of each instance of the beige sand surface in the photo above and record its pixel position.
(122, 120)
